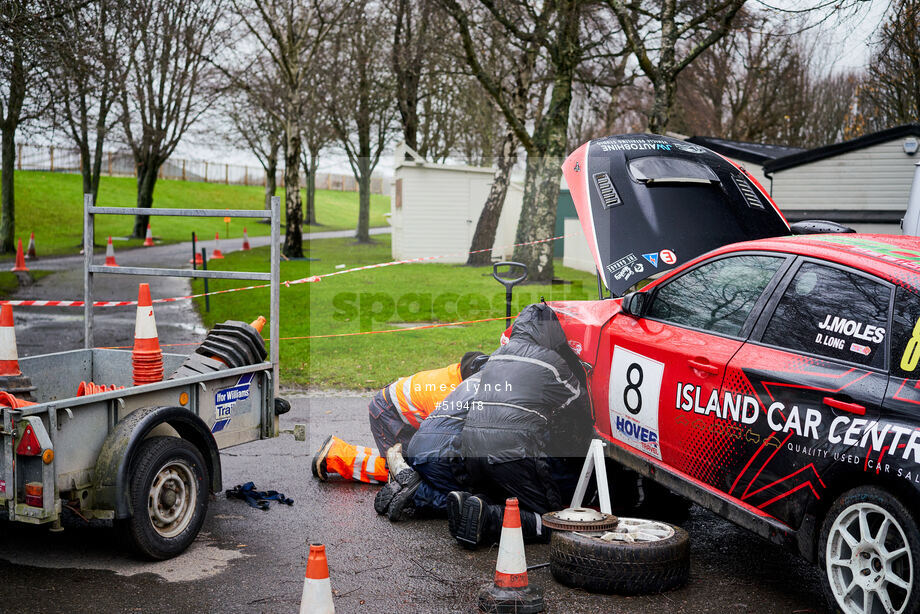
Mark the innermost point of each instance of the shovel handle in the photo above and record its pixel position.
(509, 282)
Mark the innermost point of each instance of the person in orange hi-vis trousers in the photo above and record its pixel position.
(395, 414)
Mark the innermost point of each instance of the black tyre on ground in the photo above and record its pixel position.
(659, 561)
(169, 497)
(869, 550)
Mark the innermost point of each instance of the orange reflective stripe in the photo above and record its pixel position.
(403, 402)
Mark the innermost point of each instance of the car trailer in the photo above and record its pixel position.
(144, 457)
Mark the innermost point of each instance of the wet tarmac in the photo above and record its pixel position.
(247, 560)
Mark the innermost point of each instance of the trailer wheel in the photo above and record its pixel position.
(638, 557)
(169, 497)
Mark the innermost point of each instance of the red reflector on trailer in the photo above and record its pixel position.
(34, 494)
(28, 445)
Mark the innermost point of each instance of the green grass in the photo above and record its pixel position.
(9, 283)
(51, 206)
(379, 299)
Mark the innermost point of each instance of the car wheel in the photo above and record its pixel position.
(869, 549)
(638, 557)
(169, 497)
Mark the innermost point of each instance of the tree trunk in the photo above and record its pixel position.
(8, 208)
(363, 234)
(309, 170)
(484, 237)
(271, 178)
(293, 232)
(661, 107)
(86, 169)
(146, 181)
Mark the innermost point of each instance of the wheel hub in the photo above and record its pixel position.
(868, 568)
(579, 519)
(171, 502)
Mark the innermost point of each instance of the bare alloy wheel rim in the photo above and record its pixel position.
(638, 530)
(172, 498)
(869, 564)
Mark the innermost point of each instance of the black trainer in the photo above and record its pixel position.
(455, 501)
(408, 480)
(472, 519)
(385, 495)
(318, 466)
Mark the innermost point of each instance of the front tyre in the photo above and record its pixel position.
(169, 497)
(869, 549)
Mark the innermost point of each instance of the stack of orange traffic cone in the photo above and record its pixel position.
(30, 252)
(9, 356)
(245, 240)
(216, 254)
(86, 388)
(511, 592)
(110, 254)
(147, 357)
(20, 260)
(148, 239)
(317, 590)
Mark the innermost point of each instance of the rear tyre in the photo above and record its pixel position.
(649, 557)
(169, 497)
(869, 549)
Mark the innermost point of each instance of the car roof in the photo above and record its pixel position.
(895, 258)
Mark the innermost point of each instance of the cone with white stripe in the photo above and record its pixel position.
(148, 238)
(9, 357)
(511, 592)
(245, 240)
(30, 252)
(110, 254)
(317, 590)
(147, 357)
(216, 254)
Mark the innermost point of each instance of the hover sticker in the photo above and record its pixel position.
(635, 385)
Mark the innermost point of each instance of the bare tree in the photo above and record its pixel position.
(23, 95)
(891, 94)
(317, 135)
(291, 33)
(360, 107)
(166, 69)
(86, 73)
(666, 36)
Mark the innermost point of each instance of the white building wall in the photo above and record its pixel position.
(875, 177)
(577, 254)
(756, 170)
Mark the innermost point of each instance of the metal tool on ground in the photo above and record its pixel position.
(245, 240)
(147, 357)
(110, 254)
(594, 463)
(217, 254)
(317, 589)
(508, 281)
(30, 252)
(20, 265)
(148, 238)
(11, 378)
(511, 592)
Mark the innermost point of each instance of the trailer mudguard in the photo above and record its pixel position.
(111, 477)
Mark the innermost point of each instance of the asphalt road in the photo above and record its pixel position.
(247, 560)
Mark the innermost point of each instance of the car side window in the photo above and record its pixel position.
(905, 335)
(834, 313)
(717, 296)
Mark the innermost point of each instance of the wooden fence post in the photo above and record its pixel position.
(226, 174)
(206, 171)
(110, 164)
(51, 149)
(245, 175)
(19, 160)
(184, 175)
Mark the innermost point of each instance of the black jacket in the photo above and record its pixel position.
(438, 437)
(529, 399)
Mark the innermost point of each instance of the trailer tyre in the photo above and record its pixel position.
(656, 560)
(169, 497)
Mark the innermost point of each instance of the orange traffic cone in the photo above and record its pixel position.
(148, 239)
(87, 388)
(510, 591)
(30, 252)
(216, 254)
(9, 357)
(197, 261)
(317, 590)
(20, 259)
(258, 323)
(245, 240)
(147, 357)
(110, 254)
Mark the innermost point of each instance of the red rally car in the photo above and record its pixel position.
(774, 381)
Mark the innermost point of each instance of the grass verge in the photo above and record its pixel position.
(51, 206)
(9, 283)
(379, 299)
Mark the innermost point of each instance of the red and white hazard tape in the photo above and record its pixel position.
(302, 280)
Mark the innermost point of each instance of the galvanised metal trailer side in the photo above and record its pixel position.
(145, 457)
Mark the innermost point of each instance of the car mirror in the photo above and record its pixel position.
(635, 303)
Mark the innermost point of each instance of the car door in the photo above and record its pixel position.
(675, 357)
(817, 366)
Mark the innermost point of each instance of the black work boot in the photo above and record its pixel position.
(408, 480)
(455, 501)
(385, 495)
(318, 465)
(480, 523)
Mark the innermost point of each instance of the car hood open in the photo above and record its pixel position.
(648, 203)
